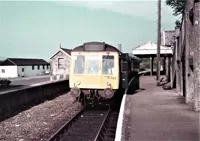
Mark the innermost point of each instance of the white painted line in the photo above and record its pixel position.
(28, 78)
(46, 82)
(118, 133)
(42, 83)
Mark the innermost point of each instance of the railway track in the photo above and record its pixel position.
(90, 124)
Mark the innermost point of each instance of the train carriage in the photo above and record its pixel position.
(99, 69)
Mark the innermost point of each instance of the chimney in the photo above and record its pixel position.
(120, 47)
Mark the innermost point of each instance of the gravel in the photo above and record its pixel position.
(39, 122)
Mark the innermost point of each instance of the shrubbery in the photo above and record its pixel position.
(4, 83)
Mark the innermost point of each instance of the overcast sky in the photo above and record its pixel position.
(35, 29)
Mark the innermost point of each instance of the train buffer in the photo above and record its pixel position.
(155, 114)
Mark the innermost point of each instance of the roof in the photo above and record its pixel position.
(24, 61)
(64, 50)
(1, 61)
(96, 46)
(68, 51)
(150, 48)
(168, 37)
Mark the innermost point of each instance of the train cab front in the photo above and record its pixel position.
(94, 74)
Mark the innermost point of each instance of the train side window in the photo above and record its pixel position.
(107, 64)
(79, 64)
(132, 66)
(124, 66)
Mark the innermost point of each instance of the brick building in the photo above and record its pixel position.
(60, 64)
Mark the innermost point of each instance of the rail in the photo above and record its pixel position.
(100, 123)
(58, 135)
(100, 132)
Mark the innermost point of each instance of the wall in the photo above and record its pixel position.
(187, 51)
(59, 73)
(196, 58)
(26, 97)
(10, 71)
(29, 72)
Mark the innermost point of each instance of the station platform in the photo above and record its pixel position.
(21, 83)
(155, 114)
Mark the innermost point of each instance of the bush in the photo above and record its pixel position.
(4, 83)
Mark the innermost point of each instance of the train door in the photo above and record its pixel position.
(124, 79)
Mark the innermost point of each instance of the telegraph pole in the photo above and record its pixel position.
(158, 43)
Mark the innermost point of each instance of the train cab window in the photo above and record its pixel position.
(79, 64)
(108, 64)
(93, 64)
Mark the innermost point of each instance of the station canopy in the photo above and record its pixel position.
(150, 50)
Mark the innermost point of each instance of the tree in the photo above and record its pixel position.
(178, 24)
(177, 5)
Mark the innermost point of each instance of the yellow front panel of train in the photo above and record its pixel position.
(94, 70)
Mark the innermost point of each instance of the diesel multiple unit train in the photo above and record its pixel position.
(99, 69)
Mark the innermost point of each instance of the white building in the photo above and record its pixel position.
(150, 48)
(23, 67)
(60, 64)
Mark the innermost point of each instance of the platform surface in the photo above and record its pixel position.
(19, 83)
(154, 114)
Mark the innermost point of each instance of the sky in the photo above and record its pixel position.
(35, 29)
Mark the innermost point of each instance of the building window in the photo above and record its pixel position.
(3, 71)
(38, 67)
(60, 63)
(22, 69)
(43, 67)
(32, 67)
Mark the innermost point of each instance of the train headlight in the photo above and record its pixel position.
(108, 84)
(78, 83)
(75, 92)
(108, 93)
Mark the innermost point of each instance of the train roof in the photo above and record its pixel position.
(96, 46)
(102, 46)
(129, 56)
(134, 57)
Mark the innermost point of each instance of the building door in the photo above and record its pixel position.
(183, 76)
(23, 72)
